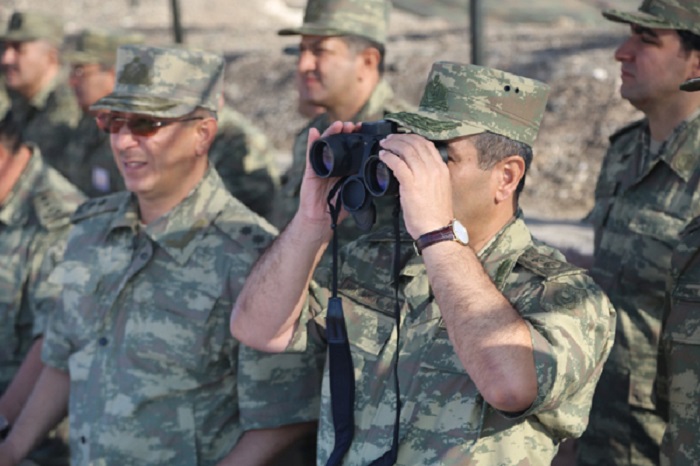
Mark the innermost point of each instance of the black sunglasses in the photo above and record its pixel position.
(139, 126)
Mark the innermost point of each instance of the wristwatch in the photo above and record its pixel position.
(454, 231)
(4, 427)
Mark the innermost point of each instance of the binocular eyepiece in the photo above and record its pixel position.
(355, 156)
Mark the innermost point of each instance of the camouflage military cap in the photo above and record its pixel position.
(96, 46)
(28, 26)
(661, 14)
(164, 82)
(461, 100)
(366, 18)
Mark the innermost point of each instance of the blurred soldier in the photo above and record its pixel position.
(88, 161)
(500, 341)
(36, 203)
(245, 161)
(340, 68)
(646, 194)
(4, 96)
(44, 107)
(137, 349)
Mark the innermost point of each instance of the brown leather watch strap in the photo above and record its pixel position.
(428, 239)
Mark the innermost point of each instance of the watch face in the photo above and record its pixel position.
(460, 232)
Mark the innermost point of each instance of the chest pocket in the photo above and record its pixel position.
(682, 332)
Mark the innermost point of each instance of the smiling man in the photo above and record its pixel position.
(340, 68)
(646, 194)
(42, 104)
(137, 350)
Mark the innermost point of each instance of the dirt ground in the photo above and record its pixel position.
(574, 57)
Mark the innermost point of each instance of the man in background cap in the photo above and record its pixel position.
(340, 68)
(138, 349)
(501, 342)
(36, 203)
(88, 162)
(43, 105)
(647, 192)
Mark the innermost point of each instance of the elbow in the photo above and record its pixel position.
(246, 332)
(511, 396)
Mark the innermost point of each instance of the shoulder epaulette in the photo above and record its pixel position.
(244, 226)
(625, 129)
(99, 205)
(545, 266)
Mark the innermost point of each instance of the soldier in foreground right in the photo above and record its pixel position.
(647, 192)
(678, 373)
(501, 342)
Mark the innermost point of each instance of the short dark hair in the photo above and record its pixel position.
(359, 43)
(689, 40)
(492, 148)
(11, 137)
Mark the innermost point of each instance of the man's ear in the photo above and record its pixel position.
(206, 132)
(370, 58)
(508, 172)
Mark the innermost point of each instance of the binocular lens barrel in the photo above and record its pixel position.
(322, 158)
(353, 194)
(379, 179)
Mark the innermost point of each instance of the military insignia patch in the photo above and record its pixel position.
(423, 123)
(136, 72)
(15, 22)
(435, 96)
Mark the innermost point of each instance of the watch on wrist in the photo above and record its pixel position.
(4, 427)
(454, 231)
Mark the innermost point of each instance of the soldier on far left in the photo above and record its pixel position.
(89, 163)
(43, 106)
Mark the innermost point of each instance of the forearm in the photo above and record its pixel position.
(46, 406)
(260, 446)
(22, 384)
(491, 339)
(269, 305)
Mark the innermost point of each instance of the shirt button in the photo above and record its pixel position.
(103, 341)
(83, 439)
(143, 256)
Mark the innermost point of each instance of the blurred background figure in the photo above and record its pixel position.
(88, 161)
(42, 103)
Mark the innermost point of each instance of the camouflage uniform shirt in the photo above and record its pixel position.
(89, 162)
(678, 379)
(245, 161)
(48, 120)
(142, 329)
(444, 419)
(34, 223)
(642, 204)
(381, 102)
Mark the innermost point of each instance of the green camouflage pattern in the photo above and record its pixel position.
(245, 160)
(381, 101)
(461, 100)
(48, 119)
(142, 329)
(89, 162)
(661, 14)
(34, 224)
(642, 202)
(678, 375)
(365, 18)
(5, 101)
(444, 419)
(31, 25)
(164, 82)
(100, 46)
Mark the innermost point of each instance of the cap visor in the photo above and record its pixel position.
(433, 126)
(142, 105)
(310, 30)
(637, 17)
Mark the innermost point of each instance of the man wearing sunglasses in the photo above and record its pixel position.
(646, 193)
(138, 350)
(88, 161)
(42, 103)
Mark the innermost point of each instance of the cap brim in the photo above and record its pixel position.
(638, 17)
(433, 126)
(152, 106)
(310, 30)
(691, 85)
(82, 58)
(23, 37)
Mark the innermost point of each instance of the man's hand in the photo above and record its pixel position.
(424, 182)
(313, 195)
